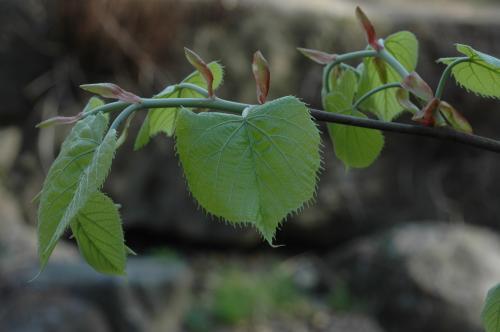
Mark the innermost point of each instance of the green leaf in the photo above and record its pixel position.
(481, 74)
(78, 172)
(345, 82)
(490, 315)
(98, 231)
(256, 168)
(93, 103)
(403, 46)
(163, 119)
(356, 147)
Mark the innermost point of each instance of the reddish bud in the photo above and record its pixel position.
(416, 85)
(59, 120)
(371, 36)
(319, 57)
(110, 90)
(454, 118)
(405, 102)
(260, 69)
(197, 62)
(426, 116)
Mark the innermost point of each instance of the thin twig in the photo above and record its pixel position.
(439, 133)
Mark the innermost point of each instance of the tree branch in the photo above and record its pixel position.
(439, 133)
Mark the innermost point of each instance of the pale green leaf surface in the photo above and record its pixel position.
(98, 231)
(490, 315)
(346, 83)
(163, 119)
(357, 147)
(79, 170)
(403, 46)
(93, 103)
(257, 168)
(481, 74)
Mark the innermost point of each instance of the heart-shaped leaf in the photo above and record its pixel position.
(480, 74)
(403, 46)
(256, 168)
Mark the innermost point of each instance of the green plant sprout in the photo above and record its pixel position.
(255, 164)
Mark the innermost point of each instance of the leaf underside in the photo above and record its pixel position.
(403, 46)
(98, 231)
(162, 120)
(79, 171)
(257, 168)
(481, 74)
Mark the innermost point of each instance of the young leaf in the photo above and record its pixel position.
(403, 46)
(481, 74)
(163, 119)
(257, 168)
(93, 103)
(319, 57)
(198, 63)
(59, 120)
(427, 116)
(110, 90)
(454, 118)
(490, 315)
(404, 101)
(98, 231)
(260, 69)
(416, 85)
(344, 80)
(371, 36)
(78, 172)
(356, 147)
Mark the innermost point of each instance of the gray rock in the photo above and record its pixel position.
(150, 298)
(50, 312)
(353, 323)
(423, 277)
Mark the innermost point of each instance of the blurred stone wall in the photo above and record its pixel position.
(49, 47)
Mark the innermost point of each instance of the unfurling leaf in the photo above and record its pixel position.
(416, 85)
(319, 57)
(427, 116)
(59, 120)
(454, 118)
(260, 69)
(110, 90)
(371, 36)
(196, 61)
(403, 46)
(162, 120)
(480, 74)
(76, 174)
(257, 168)
(344, 80)
(404, 101)
(490, 315)
(98, 231)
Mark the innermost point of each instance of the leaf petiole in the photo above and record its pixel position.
(374, 91)
(342, 58)
(446, 75)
